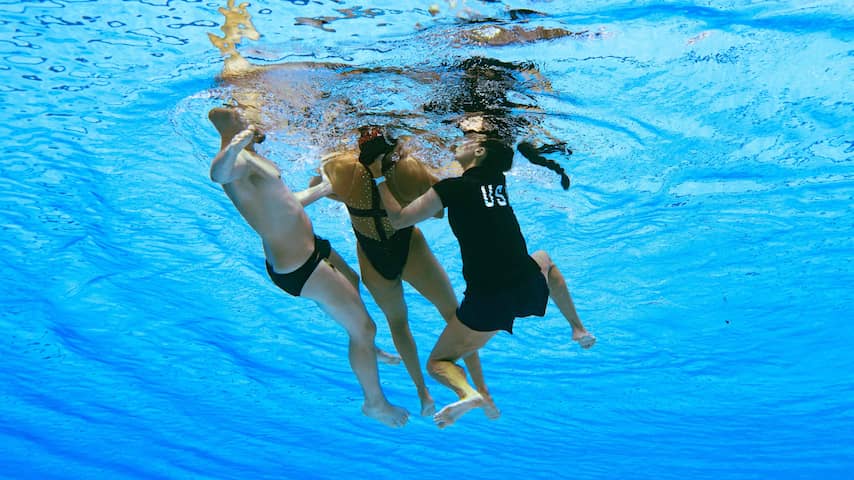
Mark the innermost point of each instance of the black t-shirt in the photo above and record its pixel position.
(493, 249)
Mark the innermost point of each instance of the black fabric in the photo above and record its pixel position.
(496, 310)
(387, 256)
(376, 212)
(367, 212)
(294, 281)
(493, 250)
(369, 150)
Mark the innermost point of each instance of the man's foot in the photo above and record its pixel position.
(428, 405)
(387, 358)
(452, 412)
(387, 413)
(585, 339)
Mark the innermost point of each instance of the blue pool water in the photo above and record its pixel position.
(707, 239)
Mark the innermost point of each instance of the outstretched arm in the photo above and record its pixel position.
(425, 206)
(420, 209)
(315, 190)
(313, 193)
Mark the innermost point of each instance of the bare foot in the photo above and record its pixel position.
(585, 339)
(452, 412)
(492, 412)
(387, 358)
(428, 405)
(387, 413)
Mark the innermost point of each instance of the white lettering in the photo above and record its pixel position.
(487, 196)
(490, 197)
(500, 197)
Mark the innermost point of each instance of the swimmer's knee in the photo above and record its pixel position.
(543, 260)
(434, 366)
(363, 331)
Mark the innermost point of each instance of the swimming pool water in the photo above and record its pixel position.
(707, 240)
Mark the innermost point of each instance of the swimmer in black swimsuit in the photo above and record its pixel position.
(388, 256)
(294, 254)
(503, 281)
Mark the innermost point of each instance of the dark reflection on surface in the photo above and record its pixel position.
(320, 101)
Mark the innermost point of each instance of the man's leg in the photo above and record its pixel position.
(456, 341)
(559, 293)
(337, 297)
(352, 277)
(389, 297)
(426, 275)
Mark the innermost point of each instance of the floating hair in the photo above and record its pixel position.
(530, 152)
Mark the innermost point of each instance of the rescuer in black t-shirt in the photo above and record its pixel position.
(503, 282)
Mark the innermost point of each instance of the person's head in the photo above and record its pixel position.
(488, 152)
(374, 142)
(476, 149)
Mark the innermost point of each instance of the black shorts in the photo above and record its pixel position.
(293, 282)
(496, 310)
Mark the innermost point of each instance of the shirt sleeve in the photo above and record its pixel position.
(447, 190)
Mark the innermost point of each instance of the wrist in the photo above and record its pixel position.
(379, 180)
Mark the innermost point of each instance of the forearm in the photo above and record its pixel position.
(224, 167)
(391, 205)
(230, 163)
(312, 194)
(420, 209)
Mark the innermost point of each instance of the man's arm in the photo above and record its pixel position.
(313, 193)
(228, 165)
(339, 170)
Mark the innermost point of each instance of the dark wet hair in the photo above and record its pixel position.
(533, 155)
(373, 141)
(499, 156)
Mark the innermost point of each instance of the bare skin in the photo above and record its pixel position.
(254, 185)
(408, 179)
(458, 341)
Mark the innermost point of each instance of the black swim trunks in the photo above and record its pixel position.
(388, 256)
(294, 281)
(488, 311)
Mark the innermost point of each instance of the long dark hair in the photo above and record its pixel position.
(530, 152)
(499, 157)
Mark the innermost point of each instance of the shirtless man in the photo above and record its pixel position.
(299, 262)
(388, 256)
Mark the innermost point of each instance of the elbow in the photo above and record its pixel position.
(219, 177)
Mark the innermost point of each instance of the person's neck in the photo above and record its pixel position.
(474, 164)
